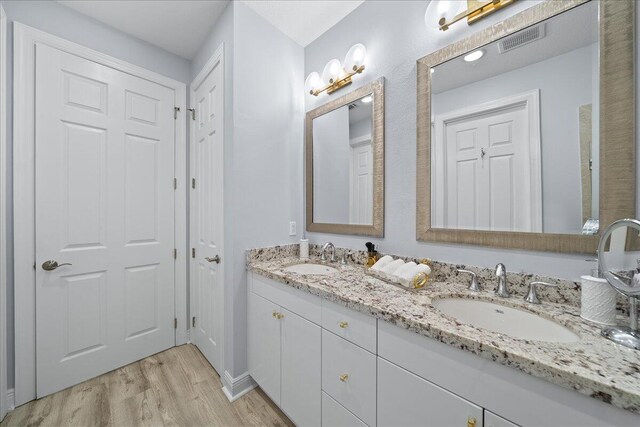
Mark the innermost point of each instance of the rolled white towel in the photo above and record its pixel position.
(382, 262)
(407, 271)
(423, 268)
(392, 266)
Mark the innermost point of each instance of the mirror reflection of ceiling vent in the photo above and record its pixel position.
(352, 106)
(521, 38)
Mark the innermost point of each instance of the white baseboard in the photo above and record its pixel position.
(237, 387)
(11, 399)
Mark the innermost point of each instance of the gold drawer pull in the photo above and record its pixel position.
(344, 377)
(343, 325)
(471, 422)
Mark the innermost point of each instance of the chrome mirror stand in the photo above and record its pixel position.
(623, 335)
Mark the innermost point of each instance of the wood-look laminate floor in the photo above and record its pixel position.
(177, 387)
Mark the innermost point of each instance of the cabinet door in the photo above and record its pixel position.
(405, 399)
(301, 381)
(493, 420)
(264, 345)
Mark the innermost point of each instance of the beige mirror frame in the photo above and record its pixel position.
(376, 229)
(617, 128)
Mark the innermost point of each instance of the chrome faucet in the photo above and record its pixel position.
(532, 295)
(501, 274)
(326, 246)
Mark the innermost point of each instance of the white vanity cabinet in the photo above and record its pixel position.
(264, 345)
(325, 364)
(406, 400)
(284, 359)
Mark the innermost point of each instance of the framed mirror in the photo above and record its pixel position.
(526, 130)
(345, 163)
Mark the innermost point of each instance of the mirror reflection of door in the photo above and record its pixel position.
(490, 173)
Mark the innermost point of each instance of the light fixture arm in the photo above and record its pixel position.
(340, 83)
(475, 13)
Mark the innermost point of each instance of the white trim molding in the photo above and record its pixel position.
(25, 40)
(235, 388)
(4, 407)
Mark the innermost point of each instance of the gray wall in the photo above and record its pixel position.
(564, 83)
(63, 22)
(268, 114)
(396, 36)
(331, 160)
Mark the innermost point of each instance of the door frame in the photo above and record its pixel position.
(5, 404)
(25, 39)
(531, 102)
(216, 59)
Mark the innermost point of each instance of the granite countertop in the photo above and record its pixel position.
(592, 366)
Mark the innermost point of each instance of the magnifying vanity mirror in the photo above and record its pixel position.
(345, 163)
(526, 130)
(619, 263)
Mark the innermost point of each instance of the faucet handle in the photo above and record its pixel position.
(532, 295)
(345, 255)
(473, 286)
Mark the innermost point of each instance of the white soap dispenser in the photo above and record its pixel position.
(598, 298)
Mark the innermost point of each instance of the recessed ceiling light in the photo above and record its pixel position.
(474, 56)
(367, 99)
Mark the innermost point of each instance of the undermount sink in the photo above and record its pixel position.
(317, 269)
(516, 323)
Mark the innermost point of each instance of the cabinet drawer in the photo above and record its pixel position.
(301, 303)
(405, 399)
(349, 376)
(351, 325)
(335, 415)
(493, 420)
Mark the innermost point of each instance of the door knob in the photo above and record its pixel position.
(215, 259)
(52, 265)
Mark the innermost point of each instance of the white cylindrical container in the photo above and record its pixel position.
(304, 249)
(598, 301)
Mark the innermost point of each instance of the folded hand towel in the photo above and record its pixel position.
(423, 268)
(407, 271)
(392, 266)
(382, 262)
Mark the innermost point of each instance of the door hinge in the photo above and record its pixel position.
(193, 113)
(193, 252)
(175, 323)
(193, 183)
(175, 112)
(175, 183)
(193, 322)
(175, 253)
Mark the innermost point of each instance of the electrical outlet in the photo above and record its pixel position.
(292, 228)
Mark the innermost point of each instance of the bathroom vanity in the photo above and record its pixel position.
(343, 348)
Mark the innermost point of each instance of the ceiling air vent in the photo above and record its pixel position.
(521, 38)
(352, 106)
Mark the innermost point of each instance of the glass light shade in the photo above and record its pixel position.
(439, 9)
(313, 82)
(355, 57)
(331, 71)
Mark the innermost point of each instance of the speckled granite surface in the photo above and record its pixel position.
(592, 366)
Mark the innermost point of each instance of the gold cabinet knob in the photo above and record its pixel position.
(344, 377)
(274, 314)
(279, 316)
(471, 422)
(343, 325)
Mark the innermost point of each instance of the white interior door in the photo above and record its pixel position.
(487, 169)
(104, 206)
(361, 175)
(207, 217)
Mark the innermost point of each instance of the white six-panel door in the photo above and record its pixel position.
(207, 216)
(105, 207)
(361, 176)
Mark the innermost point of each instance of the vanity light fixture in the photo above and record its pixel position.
(474, 56)
(336, 75)
(442, 13)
